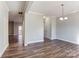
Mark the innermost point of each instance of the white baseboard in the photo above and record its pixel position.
(33, 42)
(1, 53)
(69, 41)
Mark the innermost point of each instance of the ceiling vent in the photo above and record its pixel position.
(20, 13)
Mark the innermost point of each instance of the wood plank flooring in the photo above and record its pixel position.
(49, 49)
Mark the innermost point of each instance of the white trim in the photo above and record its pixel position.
(28, 6)
(69, 41)
(1, 53)
(52, 39)
(34, 42)
(37, 13)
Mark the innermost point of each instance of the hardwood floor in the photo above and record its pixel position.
(49, 49)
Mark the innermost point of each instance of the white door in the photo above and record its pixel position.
(20, 34)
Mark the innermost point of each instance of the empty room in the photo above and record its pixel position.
(39, 29)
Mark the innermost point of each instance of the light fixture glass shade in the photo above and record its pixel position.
(61, 18)
(65, 18)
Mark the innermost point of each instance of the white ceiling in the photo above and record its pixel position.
(53, 8)
(14, 8)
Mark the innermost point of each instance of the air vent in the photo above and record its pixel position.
(20, 12)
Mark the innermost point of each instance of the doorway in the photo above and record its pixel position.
(47, 28)
(15, 33)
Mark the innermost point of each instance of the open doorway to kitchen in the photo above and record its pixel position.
(47, 28)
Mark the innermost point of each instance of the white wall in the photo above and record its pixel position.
(68, 30)
(3, 27)
(34, 30)
(53, 27)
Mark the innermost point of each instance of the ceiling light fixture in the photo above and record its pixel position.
(62, 17)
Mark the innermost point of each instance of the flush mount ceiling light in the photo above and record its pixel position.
(62, 17)
(20, 13)
(44, 17)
